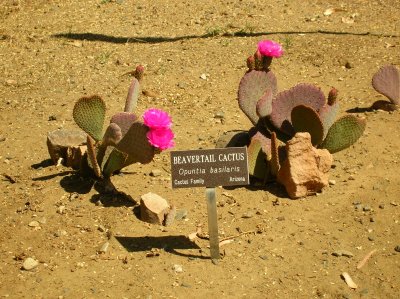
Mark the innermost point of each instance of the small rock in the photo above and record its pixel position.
(382, 206)
(332, 182)
(34, 223)
(153, 208)
(42, 220)
(397, 248)
(104, 248)
(305, 171)
(248, 215)
(155, 173)
(52, 117)
(182, 85)
(280, 218)
(61, 210)
(177, 268)
(366, 208)
(203, 76)
(30, 264)
(60, 233)
(219, 115)
(371, 238)
(101, 228)
(342, 252)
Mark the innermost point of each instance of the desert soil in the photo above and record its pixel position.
(54, 52)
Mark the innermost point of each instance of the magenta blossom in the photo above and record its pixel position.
(161, 138)
(157, 119)
(270, 48)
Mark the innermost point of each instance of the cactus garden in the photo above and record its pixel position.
(95, 96)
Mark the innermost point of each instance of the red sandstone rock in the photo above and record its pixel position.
(153, 208)
(305, 171)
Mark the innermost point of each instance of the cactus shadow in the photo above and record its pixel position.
(44, 164)
(113, 200)
(359, 110)
(170, 244)
(76, 183)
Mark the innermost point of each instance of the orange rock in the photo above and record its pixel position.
(305, 170)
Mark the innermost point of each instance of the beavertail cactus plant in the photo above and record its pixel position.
(126, 140)
(386, 81)
(278, 116)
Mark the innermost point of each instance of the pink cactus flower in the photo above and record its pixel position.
(270, 48)
(157, 119)
(161, 138)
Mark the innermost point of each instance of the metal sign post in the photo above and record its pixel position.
(210, 168)
(212, 222)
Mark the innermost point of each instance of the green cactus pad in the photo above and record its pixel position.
(89, 114)
(112, 135)
(306, 119)
(136, 145)
(387, 82)
(252, 87)
(285, 101)
(115, 162)
(264, 104)
(133, 95)
(124, 120)
(343, 133)
(257, 157)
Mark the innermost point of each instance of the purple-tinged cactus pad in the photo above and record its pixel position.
(328, 115)
(285, 101)
(264, 104)
(257, 157)
(252, 87)
(136, 145)
(133, 95)
(387, 82)
(89, 114)
(306, 119)
(343, 133)
(124, 120)
(112, 135)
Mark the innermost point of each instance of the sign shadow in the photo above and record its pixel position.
(170, 244)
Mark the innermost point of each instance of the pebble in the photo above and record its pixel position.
(203, 76)
(155, 173)
(177, 268)
(382, 206)
(220, 115)
(60, 233)
(248, 215)
(332, 182)
(367, 208)
(34, 223)
(101, 228)
(30, 264)
(61, 210)
(397, 248)
(371, 238)
(104, 248)
(280, 218)
(42, 220)
(342, 252)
